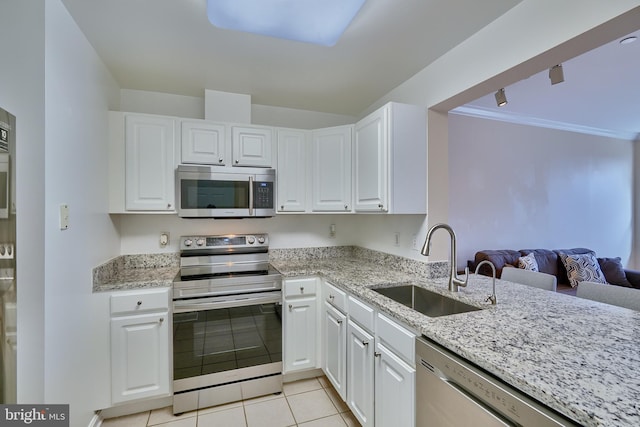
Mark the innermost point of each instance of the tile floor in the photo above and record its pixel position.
(306, 403)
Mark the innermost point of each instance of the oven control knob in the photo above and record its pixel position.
(251, 240)
(200, 242)
(188, 242)
(261, 239)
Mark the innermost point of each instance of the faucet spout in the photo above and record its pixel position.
(491, 297)
(454, 280)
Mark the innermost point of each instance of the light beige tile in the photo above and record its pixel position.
(332, 421)
(271, 413)
(337, 401)
(134, 420)
(311, 405)
(263, 398)
(182, 422)
(223, 407)
(233, 417)
(164, 415)
(350, 419)
(324, 381)
(301, 386)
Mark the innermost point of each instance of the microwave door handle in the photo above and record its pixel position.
(250, 196)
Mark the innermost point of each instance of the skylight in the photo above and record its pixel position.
(312, 21)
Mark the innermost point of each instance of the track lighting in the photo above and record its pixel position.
(501, 98)
(555, 74)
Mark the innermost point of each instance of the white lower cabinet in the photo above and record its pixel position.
(394, 389)
(300, 320)
(334, 342)
(360, 368)
(140, 329)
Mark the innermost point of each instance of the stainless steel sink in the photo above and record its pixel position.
(429, 303)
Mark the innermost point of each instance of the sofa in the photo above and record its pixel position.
(551, 261)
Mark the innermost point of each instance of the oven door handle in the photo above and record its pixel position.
(212, 303)
(250, 196)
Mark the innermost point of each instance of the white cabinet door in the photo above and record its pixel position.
(203, 143)
(139, 357)
(335, 352)
(394, 390)
(360, 368)
(300, 334)
(150, 145)
(252, 146)
(371, 174)
(331, 169)
(292, 171)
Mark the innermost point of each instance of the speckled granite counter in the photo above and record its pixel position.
(581, 358)
(128, 272)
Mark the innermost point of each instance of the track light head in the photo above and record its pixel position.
(556, 75)
(501, 98)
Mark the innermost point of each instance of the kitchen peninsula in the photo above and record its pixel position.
(575, 356)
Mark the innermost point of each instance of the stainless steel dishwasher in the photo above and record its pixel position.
(450, 391)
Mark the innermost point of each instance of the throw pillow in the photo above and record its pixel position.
(614, 271)
(528, 262)
(582, 267)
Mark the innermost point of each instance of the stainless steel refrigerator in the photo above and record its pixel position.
(7, 257)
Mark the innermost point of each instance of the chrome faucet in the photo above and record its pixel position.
(491, 297)
(454, 280)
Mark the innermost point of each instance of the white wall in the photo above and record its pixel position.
(516, 186)
(635, 258)
(22, 94)
(78, 93)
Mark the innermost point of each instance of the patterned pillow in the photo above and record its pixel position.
(582, 267)
(528, 262)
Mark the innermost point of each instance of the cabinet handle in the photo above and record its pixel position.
(168, 205)
(282, 207)
(331, 297)
(346, 207)
(290, 307)
(376, 354)
(220, 160)
(365, 343)
(339, 321)
(237, 161)
(161, 319)
(139, 303)
(380, 205)
(302, 289)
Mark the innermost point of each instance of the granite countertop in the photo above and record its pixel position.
(577, 356)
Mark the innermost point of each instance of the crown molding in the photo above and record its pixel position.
(544, 123)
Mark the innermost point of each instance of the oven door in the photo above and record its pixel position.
(226, 339)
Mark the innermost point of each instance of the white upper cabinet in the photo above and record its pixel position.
(252, 146)
(390, 160)
(150, 161)
(203, 143)
(331, 169)
(293, 170)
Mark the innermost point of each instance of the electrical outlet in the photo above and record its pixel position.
(332, 231)
(396, 239)
(164, 239)
(414, 242)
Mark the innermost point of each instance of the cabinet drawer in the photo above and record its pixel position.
(300, 287)
(140, 302)
(361, 313)
(335, 297)
(398, 338)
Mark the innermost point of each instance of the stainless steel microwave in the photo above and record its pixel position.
(215, 192)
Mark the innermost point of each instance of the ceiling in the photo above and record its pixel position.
(170, 46)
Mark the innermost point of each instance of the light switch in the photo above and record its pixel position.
(64, 217)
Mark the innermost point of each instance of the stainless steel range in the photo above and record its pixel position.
(227, 321)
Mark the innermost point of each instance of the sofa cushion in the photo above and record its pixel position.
(498, 257)
(561, 269)
(528, 262)
(547, 260)
(614, 271)
(581, 268)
